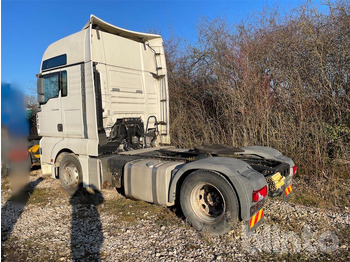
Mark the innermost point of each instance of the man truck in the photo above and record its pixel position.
(104, 121)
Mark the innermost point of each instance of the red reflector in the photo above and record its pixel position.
(294, 169)
(259, 194)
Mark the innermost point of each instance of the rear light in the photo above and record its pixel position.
(294, 170)
(259, 194)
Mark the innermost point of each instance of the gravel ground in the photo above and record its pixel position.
(45, 224)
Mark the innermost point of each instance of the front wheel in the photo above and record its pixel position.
(70, 173)
(209, 202)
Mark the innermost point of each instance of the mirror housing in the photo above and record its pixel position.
(40, 86)
(41, 99)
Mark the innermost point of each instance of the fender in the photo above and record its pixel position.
(83, 147)
(78, 146)
(268, 153)
(242, 177)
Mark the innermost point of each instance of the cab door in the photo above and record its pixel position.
(50, 116)
(71, 102)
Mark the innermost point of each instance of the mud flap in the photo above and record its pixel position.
(287, 192)
(255, 221)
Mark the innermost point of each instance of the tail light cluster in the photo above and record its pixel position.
(259, 194)
(294, 170)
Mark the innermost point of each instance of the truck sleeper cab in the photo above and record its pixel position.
(104, 121)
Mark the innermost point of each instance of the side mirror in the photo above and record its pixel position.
(41, 99)
(40, 85)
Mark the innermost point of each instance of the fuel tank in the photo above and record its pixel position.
(149, 179)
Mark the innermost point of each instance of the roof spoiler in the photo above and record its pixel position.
(98, 23)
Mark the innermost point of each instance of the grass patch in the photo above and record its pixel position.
(33, 249)
(41, 196)
(305, 197)
(330, 194)
(133, 210)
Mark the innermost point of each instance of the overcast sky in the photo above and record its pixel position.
(29, 26)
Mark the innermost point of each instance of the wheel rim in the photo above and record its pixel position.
(70, 175)
(207, 202)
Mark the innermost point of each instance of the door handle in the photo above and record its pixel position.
(59, 127)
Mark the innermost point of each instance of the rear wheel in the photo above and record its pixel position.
(70, 173)
(209, 202)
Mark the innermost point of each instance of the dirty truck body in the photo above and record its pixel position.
(104, 121)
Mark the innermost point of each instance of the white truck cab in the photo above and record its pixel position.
(92, 78)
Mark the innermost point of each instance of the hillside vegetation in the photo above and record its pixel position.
(281, 81)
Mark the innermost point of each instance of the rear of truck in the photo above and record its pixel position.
(277, 169)
(255, 173)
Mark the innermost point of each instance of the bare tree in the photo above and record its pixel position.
(283, 82)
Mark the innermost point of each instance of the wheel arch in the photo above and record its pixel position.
(231, 169)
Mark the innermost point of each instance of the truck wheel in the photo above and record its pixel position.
(70, 173)
(208, 202)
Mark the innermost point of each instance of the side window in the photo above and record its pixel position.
(54, 83)
(51, 86)
(54, 62)
(63, 83)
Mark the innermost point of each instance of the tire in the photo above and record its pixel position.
(70, 174)
(209, 202)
